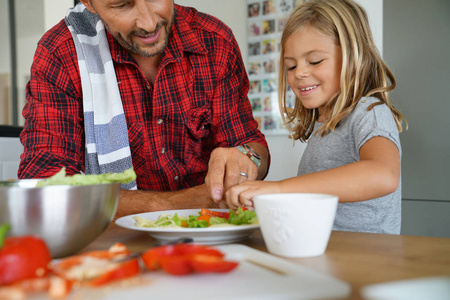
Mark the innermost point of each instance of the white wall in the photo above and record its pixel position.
(10, 150)
(33, 18)
(55, 11)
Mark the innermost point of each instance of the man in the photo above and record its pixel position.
(172, 77)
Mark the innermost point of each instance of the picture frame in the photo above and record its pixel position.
(265, 21)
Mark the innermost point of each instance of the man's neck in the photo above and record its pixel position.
(148, 65)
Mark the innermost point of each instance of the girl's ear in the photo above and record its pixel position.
(88, 5)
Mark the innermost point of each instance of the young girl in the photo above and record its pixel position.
(343, 112)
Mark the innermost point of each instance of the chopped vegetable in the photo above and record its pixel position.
(213, 213)
(209, 263)
(206, 218)
(22, 258)
(242, 217)
(60, 178)
(182, 259)
(97, 268)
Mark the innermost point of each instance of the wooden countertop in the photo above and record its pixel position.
(357, 258)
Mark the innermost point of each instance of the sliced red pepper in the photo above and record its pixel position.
(33, 285)
(176, 264)
(208, 263)
(59, 287)
(152, 257)
(116, 250)
(182, 259)
(197, 249)
(213, 213)
(121, 270)
(55, 286)
(23, 257)
(125, 269)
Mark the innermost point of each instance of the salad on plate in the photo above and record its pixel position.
(205, 218)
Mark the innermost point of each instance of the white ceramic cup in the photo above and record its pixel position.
(296, 225)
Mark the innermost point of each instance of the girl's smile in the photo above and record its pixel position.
(304, 91)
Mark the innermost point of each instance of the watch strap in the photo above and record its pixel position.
(250, 155)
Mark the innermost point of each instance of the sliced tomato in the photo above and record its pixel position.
(213, 213)
(208, 263)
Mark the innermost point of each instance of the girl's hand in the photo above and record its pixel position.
(242, 194)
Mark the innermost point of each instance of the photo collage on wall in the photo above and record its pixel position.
(266, 19)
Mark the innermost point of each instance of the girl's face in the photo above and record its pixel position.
(313, 63)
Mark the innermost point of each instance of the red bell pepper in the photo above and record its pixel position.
(176, 264)
(182, 259)
(112, 270)
(213, 213)
(220, 214)
(126, 269)
(207, 264)
(22, 257)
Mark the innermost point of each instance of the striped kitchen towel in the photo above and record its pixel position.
(107, 147)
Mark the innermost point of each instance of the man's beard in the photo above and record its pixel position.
(131, 46)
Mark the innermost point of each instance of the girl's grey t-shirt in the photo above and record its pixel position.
(341, 147)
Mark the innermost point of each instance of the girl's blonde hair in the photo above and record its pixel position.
(363, 72)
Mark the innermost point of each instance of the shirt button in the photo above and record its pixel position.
(175, 178)
(163, 150)
(160, 121)
(148, 87)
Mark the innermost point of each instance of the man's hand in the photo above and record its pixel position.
(225, 168)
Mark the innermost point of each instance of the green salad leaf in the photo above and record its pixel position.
(217, 220)
(242, 217)
(60, 178)
(4, 228)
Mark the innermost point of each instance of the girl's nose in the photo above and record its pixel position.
(301, 73)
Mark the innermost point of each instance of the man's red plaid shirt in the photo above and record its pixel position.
(198, 102)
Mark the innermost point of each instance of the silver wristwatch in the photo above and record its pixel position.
(247, 150)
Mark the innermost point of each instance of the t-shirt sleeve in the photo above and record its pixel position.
(378, 121)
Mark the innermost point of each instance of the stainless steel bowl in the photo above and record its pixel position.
(67, 217)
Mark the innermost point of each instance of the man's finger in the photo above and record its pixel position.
(215, 179)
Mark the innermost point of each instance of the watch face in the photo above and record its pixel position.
(250, 149)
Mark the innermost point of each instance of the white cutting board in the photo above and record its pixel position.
(248, 281)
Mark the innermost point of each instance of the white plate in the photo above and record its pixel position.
(436, 288)
(206, 236)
